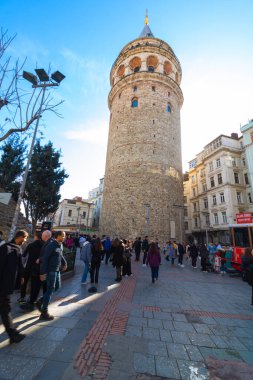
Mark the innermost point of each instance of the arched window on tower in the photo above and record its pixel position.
(168, 108)
(134, 102)
(151, 69)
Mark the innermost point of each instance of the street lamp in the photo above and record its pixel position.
(41, 80)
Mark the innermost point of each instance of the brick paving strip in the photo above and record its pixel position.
(90, 358)
(218, 315)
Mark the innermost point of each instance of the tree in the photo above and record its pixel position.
(19, 108)
(45, 177)
(12, 164)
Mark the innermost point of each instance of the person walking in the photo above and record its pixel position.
(203, 252)
(97, 250)
(10, 267)
(118, 258)
(172, 253)
(85, 256)
(154, 261)
(52, 261)
(194, 254)
(31, 271)
(107, 249)
(137, 248)
(145, 246)
(127, 270)
(181, 252)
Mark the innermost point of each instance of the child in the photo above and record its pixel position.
(154, 260)
(217, 262)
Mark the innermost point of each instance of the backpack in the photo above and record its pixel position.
(249, 275)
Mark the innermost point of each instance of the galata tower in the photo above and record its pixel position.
(143, 188)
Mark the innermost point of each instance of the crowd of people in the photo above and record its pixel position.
(41, 262)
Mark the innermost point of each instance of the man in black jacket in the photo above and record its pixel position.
(51, 262)
(31, 271)
(10, 267)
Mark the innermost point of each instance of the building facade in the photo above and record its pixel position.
(216, 188)
(143, 176)
(74, 215)
(96, 197)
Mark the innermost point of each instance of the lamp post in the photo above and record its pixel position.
(42, 81)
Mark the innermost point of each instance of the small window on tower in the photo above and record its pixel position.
(153, 88)
(151, 69)
(134, 102)
(136, 69)
(168, 109)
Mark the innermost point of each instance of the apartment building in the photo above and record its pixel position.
(216, 188)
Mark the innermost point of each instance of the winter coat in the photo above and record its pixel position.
(118, 256)
(154, 259)
(193, 251)
(32, 252)
(203, 251)
(96, 256)
(86, 252)
(52, 258)
(180, 249)
(145, 245)
(10, 267)
(107, 245)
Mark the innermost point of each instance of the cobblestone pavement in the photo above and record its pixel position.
(188, 325)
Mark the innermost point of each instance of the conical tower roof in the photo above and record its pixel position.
(146, 31)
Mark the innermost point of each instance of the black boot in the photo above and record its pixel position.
(45, 316)
(16, 337)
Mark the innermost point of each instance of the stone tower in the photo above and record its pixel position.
(143, 177)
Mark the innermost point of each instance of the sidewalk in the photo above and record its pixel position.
(188, 325)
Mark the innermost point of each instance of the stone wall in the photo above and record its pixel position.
(143, 177)
(6, 216)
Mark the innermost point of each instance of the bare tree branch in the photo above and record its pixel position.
(19, 109)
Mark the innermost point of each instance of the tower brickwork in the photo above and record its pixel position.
(143, 176)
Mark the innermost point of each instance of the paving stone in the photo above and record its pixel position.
(144, 364)
(43, 348)
(180, 337)
(31, 370)
(192, 370)
(137, 321)
(150, 333)
(177, 351)
(67, 323)
(234, 343)
(148, 314)
(201, 340)
(162, 315)
(58, 334)
(179, 317)
(247, 356)
(241, 332)
(247, 342)
(167, 367)
(221, 330)
(182, 326)
(156, 323)
(137, 313)
(202, 328)
(165, 335)
(219, 341)
(133, 331)
(194, 353)
(157, 348)
(168, 325)
(209, 320)
(220, 353)
(11, 365)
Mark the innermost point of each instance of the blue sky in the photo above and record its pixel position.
(81, 38)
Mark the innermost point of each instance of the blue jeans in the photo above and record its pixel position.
(85, 272)
(53, 284)
(154, 273)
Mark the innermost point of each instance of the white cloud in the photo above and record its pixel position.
(92, 131)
